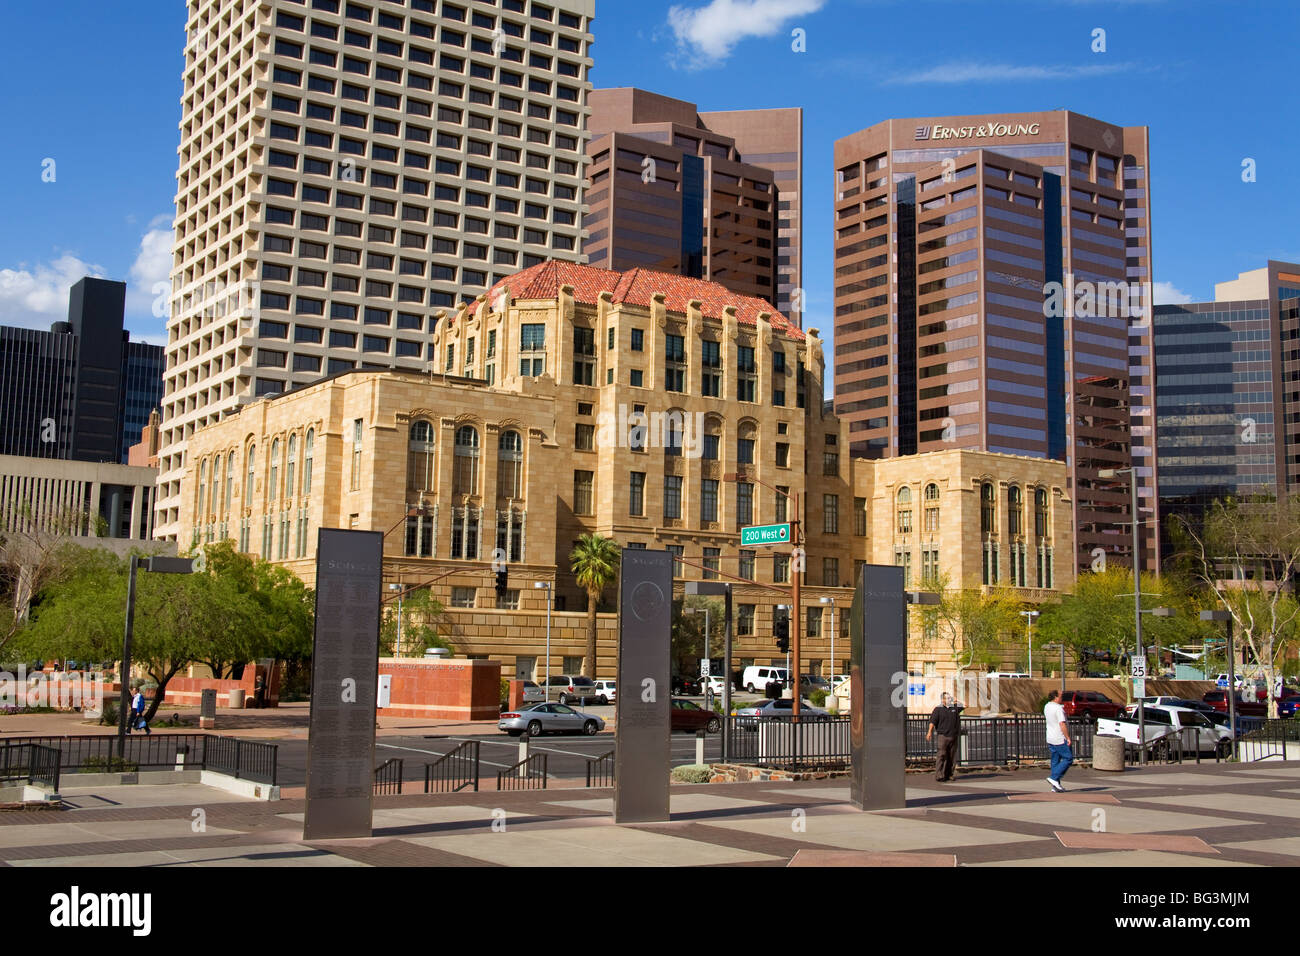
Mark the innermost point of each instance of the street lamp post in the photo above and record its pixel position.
(158, 565)
(1139, 650)
(1029, 616)
(547, 586)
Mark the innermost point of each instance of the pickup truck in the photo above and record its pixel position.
(1165, 722)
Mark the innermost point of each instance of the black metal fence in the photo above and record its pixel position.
(97, 753)
(528, 774)
(1263, 739)
(811, 743)
(454, 770)
(388, 777)
(31, 763)
(600, 770)
(242, 759)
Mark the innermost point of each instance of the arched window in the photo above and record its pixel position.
(931, 508)
(988, 509)
(212, 483)
(290, 464)
(248, 478)
(307, 446)
(465, 474)
(274, 484)
(203, 483)
(1040, 512)
(510, 465)
(1015, 511)
(419, 457)
(904, 510)
(712, 439)
(746, 439)
(230, 481)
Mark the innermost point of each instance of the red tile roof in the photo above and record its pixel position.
(635, 287)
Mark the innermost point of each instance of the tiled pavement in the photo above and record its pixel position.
(1212, 815)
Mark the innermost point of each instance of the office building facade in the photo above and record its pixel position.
(347, 170)
(709, 195)
(993, 291)
(82, 390)
(1228, 394)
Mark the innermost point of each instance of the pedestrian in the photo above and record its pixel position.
(259, 691)
(137, 710)
(945, 721)
(1058, 740)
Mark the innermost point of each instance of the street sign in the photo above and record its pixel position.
(1139, 688)
(1139, 670)
(704, 667)
(765, 534)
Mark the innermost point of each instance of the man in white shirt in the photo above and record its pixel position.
(1058, 740)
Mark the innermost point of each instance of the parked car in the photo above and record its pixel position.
(839, 679)
(715, 683)
(1163, 701)
(1287, 701)
(1089, 704)
(1009, 674)
(1218, 699)
(570, 687)
(756, 677)
(606, 692)
(689, 686)
(688, 715)
(782, 709)
(537, 719)
(811, 682)
(533, 692)
(1166, 721)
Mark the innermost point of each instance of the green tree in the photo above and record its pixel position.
(971, 625)
(421, 620)
(688, 632)
(594, 562)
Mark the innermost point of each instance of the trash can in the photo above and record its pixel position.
(1108, 752)
(237, 698)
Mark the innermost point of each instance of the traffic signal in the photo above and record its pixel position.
(501, 581)
(781, 628)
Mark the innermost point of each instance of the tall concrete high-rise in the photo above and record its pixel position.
(1228, 394)
(708, 195)
(993, 291)
(346, 172)
(83, 389)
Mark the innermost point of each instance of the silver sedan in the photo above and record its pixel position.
(782, 709)
(537, 719)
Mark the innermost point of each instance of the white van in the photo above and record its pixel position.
(1007, 674)
(756, 677)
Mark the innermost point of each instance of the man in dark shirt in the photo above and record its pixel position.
(945, 721)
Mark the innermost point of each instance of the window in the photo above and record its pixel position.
(903, 559)
(781, 568)
(711, 556)
(904, 511)
(307, 454)
(290, 463)
(745, 373)
(931, 520)
(781, 501)
(814, 621)
(676, 551)
(860, 517)
(672, 496)
(584, 437)
(419, 458)
(745, 445)
(251, 458)
(464, 533)
(709, 499)
(830, 463)
(747, 564)
(711, 361)
(356, 455)
(782, 454)
(830, 514)
(929, 565)
(712, 441)
(830, 572)
(638, 340)
(1040, 513)
(675, 363)
(636, 494)
(465, 472)
(462, 597)
(230, 481)
(582, 489)
(510, 465)
(584, 356)
(744, 619)
(744, 503)
(987, 510)
(532, 339)
(1015, 509)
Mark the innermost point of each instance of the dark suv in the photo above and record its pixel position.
(1089, 704)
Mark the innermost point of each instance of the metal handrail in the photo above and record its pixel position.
(387, 779)
(602, 769)
(456, 764)
(523, 775)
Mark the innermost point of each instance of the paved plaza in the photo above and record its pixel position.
(1189, 815)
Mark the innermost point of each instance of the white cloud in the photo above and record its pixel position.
(1165, 293)
(959, 71)
(707, 35)
(34, 297)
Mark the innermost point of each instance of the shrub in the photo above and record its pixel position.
(109, 717)
(817, 698)
(98, 764)
(692, 773)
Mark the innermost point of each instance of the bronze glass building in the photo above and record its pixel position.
(705, 195)
(993, 291)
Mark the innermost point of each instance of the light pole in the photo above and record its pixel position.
(547, 586)
(397, 650)
(1226, 618)
(1029, 616)
(1139, 650)
(716, 588)
(158, 565)
(831, 602)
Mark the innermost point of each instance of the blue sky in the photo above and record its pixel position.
(95, 87)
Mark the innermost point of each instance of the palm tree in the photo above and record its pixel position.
(594, 561)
